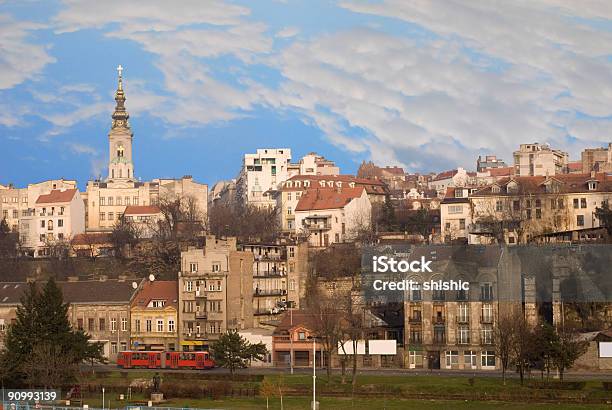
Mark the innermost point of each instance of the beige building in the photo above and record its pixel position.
(456, 214)
(597, 159)
(154, 316)
(539, 160)
(18, 202)
(279, 278)
(55, 218)
(215, 292)
(332, 215)
(144, 219)
(99, 308)
(106, 200)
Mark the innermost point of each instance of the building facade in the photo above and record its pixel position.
(539, 160)
(215, 292)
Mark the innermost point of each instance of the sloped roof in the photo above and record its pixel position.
(327, 198)
(141, 210)
(295, 318)
(157, 290)
(91, 291)
(566, 183)
(445, 175)
(57, 196)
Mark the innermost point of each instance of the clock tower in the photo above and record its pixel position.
(120, 165)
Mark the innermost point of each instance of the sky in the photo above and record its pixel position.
(424, 84)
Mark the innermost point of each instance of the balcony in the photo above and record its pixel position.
(415, 320)
(438, 320)
(269, 292)
(266, 312)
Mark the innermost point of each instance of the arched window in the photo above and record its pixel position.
(119, 151)
(50, 225)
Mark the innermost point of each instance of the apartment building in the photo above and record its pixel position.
(279, 277)
(596, 159)
(539, 160)
(547, 209)
(154, 316)
(454, 178)
(18, 202)
(489, 162)
(261, 173)
(456, 214)
(55, 218)
(99, 308)
(313, 164)
(144, 218)
(332, 215)
(215, 292)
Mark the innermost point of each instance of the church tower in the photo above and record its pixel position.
(120, 165)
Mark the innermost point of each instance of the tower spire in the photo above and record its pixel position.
(120, 116)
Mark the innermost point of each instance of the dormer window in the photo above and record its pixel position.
(495, 189)
(593, 185)
(459, 193)
(512, 187)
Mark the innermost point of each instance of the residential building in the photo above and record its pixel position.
(154, 316)
(215, 292)
(144, 218)
(539, 160)
(489, 162)
(55, 218)
(279, 278)
(292, 341)
(261, 173)
(106, 200)
(454, 178)
(291, 191)
(19, 202)
(455, 214)
(313, 164)
(99, 308)
(597, 159)
(544, 208)
(332, 215)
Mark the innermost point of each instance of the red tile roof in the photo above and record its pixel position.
(567, 183)
(142, 210)
(91, 238)
(445, 175)
(327, 198)
(574, 166)
(394, 170)
(157, 290)
(57, 196)
(501, 172)
(372, 186)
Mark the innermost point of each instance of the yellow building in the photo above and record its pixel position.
(154, 316)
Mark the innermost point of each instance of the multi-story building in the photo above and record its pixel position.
(291, 192)
(56, 217)
(456, 214)
(313, 164)
(262, 172)
(279, 277)
(454, 178)
(144, 219)
(332, 215)
(215, 292)
(106, 200)
(18, 202)
(154, 316)
(539, 160)
(553, 208)
(99, 308)
(489, 162)
(597, 159)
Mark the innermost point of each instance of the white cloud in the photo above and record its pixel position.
(287, 32)
(19, 59)
(78, 148)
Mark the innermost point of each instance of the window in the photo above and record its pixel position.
(487, 334)
(110, 200)
(439, 337)
(486, 291)
(583, 203)
(580, 220)
(292, 284)
(123, 346)
(487, 313)
(102, 324)
(464, 335)
(102, 216)
(80, 324)
(487, 358)
(60, 223)
(301, 336)
(137, 325)
(113, 347)
(416, 293)
(118, 200)
(124, 323)
(149, 325)
(469, 359)
(2, 325)
(538, 213)
(15, 213)
(50, 225)
(160, 325)
(189, 284)
(216, 267)
(60, 236)
(455, 209)
(288, 196)
(463, 314)
(516, 205)
(171, 325)
(193, 267)
(289, 210)
(538, 203)
(42, 224)
(291, 252)
(452, 358)
(111, 216)
(113, 324)
(90, 324)
(102, 201)
(499, 206)
(127, 198)
(528, 213)
(576, 203)
(560, 204)
(461, 223)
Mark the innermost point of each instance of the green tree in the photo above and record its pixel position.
(232, 351)
(8, 240)
(42, 330)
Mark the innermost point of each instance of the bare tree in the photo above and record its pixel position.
(504, 339)
(124, 237)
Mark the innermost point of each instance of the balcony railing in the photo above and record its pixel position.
(269, 292)
(415, 320)
(438, 319)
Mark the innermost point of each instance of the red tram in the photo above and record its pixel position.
(165, 360)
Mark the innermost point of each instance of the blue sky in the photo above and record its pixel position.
(427, 85)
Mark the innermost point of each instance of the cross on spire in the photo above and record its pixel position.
(119, 70)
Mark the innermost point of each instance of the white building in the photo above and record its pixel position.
(332, 215)
(56, 217)
(452, 178)
(262, 172)
(539, 160)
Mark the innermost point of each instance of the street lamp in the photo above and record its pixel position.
(314, 372)
(102, 397)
